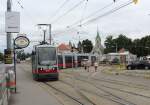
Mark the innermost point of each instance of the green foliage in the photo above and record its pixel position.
(1, 56)
(140, 47)
(109, 44)
(23, 56)
(87, 46)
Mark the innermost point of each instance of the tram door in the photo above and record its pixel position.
(69, 61)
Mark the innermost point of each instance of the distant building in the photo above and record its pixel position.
(64, 48)
(98, 48)
(123, 56)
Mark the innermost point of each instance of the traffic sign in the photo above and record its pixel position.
(12, 22)
(21, 42)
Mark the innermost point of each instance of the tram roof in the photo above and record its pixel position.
(45, 45)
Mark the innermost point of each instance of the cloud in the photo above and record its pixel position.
(132, 20)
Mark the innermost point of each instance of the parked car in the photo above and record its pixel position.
(139, 65)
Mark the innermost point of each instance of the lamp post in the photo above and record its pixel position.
(116, 48)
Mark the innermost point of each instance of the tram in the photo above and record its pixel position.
(44, 62)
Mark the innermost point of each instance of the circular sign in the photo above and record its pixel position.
(22, 42)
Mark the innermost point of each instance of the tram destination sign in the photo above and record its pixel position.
(21, 42)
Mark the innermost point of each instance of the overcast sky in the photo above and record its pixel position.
(132, 20)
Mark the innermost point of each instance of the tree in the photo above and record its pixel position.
(139, 47)
(87, 46)
(123, 42)
(1, 56)
(136, 49)
(116, 44)
(21, 55)
(109, 44)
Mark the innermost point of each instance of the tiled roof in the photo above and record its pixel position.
(64, 47)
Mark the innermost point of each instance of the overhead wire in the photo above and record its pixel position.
(71, 9)
(34, 21)
(92, 14)
(82, 16)
(109, 12)
(60, 8)
(101, 16)
(84, 11)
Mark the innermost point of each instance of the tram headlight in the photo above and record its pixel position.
(54, 68)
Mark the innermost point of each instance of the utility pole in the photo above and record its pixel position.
(8, 33)
(116, 48)
(50, 35)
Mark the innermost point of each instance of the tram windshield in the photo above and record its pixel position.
(47, 56)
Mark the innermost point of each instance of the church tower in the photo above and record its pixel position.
(98, 48)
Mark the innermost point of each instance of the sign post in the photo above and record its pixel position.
(19, 43)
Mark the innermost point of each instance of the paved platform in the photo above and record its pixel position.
(29, 92)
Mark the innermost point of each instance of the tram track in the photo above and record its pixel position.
(129, 84)
(124, 83)
(116, 89)
(97, 85)
(109, 96)
(76, 100)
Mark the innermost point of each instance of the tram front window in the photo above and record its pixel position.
(47, 56)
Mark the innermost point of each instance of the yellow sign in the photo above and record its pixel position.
(135, 1)
(8, 56)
